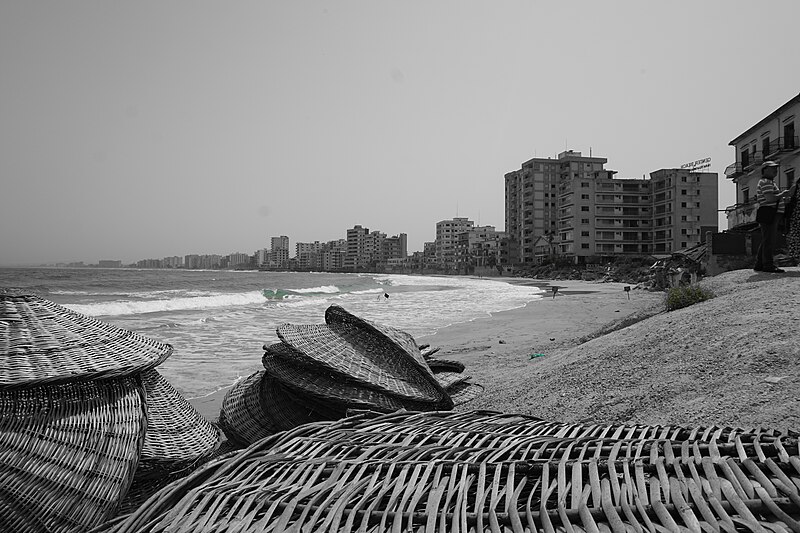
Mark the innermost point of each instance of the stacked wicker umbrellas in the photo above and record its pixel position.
(84, 417)
(484, 471)
(319, 372)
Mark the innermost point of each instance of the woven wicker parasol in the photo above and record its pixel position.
(377, 357)
(43, 343)
(178, 439)
(68, 453)
(177, 435)
(258, 406)
(242, 417)
(482, 471)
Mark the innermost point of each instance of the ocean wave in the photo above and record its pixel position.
(286, 294)
(324, 289)
(369, 291)
(123, 307)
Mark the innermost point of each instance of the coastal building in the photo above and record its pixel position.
(773, 138)
(447, 235)
(172, 262)
(574, 207)
(109, 263)
(395, 247)
(356, 256)
(547, 200)
(479, 247)
(332, 257)
(684, 208)
(278, 256)
(239, 260)
(262, 256)
(279, 243)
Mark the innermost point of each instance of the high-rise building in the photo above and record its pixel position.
(279, 243)
(684, 208)
(479, 247)
(395, 247)
(238, 260)
(573, 207)
(356, 248)
(447, 234)
(533, 210)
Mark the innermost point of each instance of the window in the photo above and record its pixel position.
(585, 245)
(584, 185)
(584, 196)
(789, 141)
(745, 157)
(697, 204)
(765, 145)
(745, 195)
(683, 192)
(683, 244)
(683, 179)
(683, 231)
(584, 221)
(586, 208)
(683, 218)
(584, 234)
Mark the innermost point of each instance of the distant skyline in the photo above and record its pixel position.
(133, 130)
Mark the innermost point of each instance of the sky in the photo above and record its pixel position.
(135, 130)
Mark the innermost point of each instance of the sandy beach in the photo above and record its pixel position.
(496, 346)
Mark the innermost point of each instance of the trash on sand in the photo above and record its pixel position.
(535, 355)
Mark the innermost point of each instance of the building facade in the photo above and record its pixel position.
(684, 208)
(773, 138)
(541, 204)
(574, 207)
(447, 235)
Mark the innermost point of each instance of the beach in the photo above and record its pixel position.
(498, 346)
(601, 358)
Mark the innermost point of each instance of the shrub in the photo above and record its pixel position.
(679, 297)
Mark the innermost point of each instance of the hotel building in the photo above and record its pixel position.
(574, 207)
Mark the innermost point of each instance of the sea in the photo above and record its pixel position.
(218, 321)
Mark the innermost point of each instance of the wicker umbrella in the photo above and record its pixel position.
(258, 406)
(178, 439)
(43, 343)
(375, 356)
(68, 453)
(482, 471)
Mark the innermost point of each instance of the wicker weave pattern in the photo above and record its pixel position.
(378, 357)
(243, 418)
(44, 343)
(177, 435)
(68, 453)
(324, 384)
(484, 471)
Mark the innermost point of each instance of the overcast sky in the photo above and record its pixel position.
(133, 130)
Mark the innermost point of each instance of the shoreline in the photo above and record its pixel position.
(501, 342)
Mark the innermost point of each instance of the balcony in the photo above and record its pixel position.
(778, 147)
(741, 214)
(733, 171)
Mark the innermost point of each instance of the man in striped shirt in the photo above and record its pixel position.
(768, 195)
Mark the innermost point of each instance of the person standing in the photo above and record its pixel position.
(769, 196)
